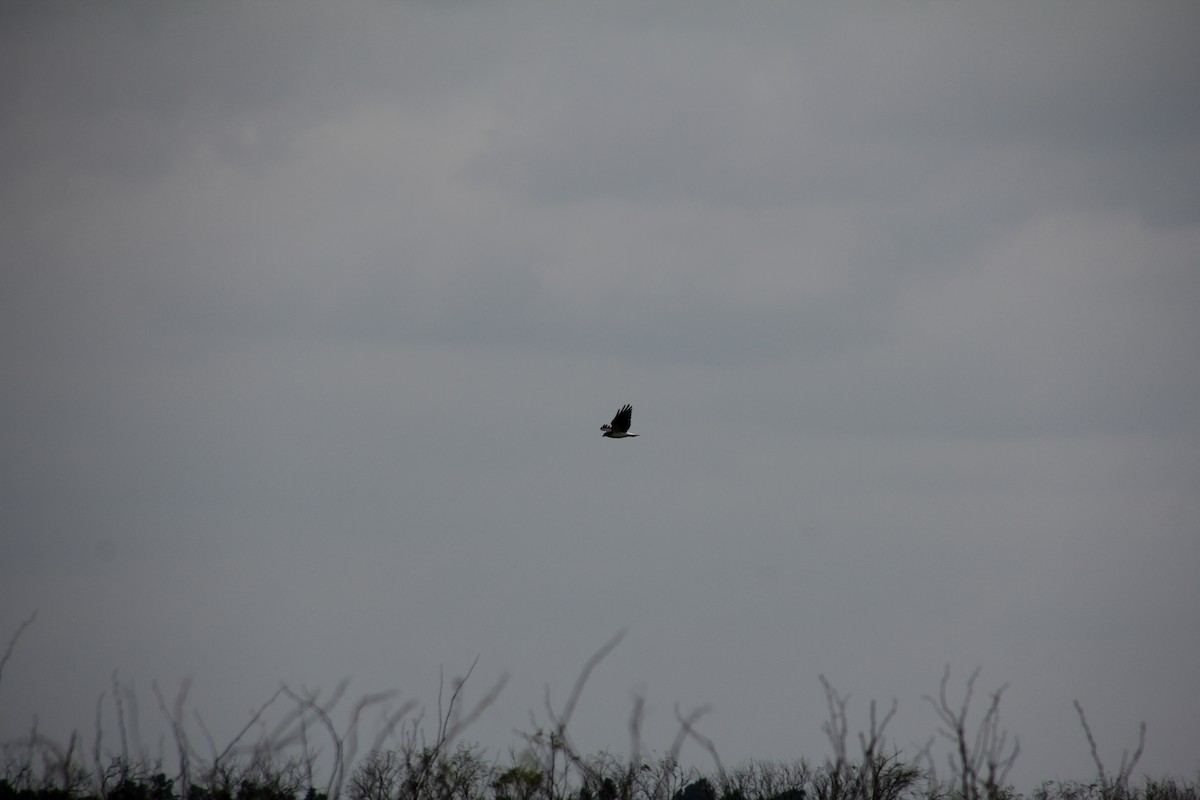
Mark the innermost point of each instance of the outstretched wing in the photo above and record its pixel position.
(621, 422)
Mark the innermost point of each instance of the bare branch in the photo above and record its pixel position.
(1087, 730)
(12, 643)
(1121, 782)
(335, 773)
(208, 737)
(351, 734)
(1127, 771)
(255, 716)
(119, 703)
(390, 723)
(636, 716)
(577, 689)
(96, 746)
(485, 702)
(175, 718)
(686, 726)
(987, 749)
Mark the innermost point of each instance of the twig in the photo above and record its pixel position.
(686, 726)
(12, 643)
(577, 689)
(1127, 765)
(335, 774)
(175, 718)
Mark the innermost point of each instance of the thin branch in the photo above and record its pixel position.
(134, 729)
(686, 725)
(351, 734)
(1127, 771)
(12, 643)
(1087, 730)
(208, 737)
(636, 716)
(988, 747)
(577, 689)
(444, 722)
(96, 746)
(462, 723)
(175, 718)
(390, 723)
(255, 716)
(1127, 764)
(119, 702)
(337, 771)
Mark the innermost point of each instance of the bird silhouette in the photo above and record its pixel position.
(619, 427)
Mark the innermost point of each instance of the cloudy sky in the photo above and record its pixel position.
(310, 315)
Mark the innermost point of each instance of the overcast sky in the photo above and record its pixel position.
(310, 315)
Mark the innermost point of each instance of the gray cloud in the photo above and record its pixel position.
(309, 318)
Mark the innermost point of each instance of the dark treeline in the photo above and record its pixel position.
(301, 754)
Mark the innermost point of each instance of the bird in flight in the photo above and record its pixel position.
(619, 427)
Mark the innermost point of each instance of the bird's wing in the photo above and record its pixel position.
(621, 422)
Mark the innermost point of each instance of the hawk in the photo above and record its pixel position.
(619, 427)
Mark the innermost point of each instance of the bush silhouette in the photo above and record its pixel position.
(284, 762)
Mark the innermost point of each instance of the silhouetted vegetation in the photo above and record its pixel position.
(304, 755)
